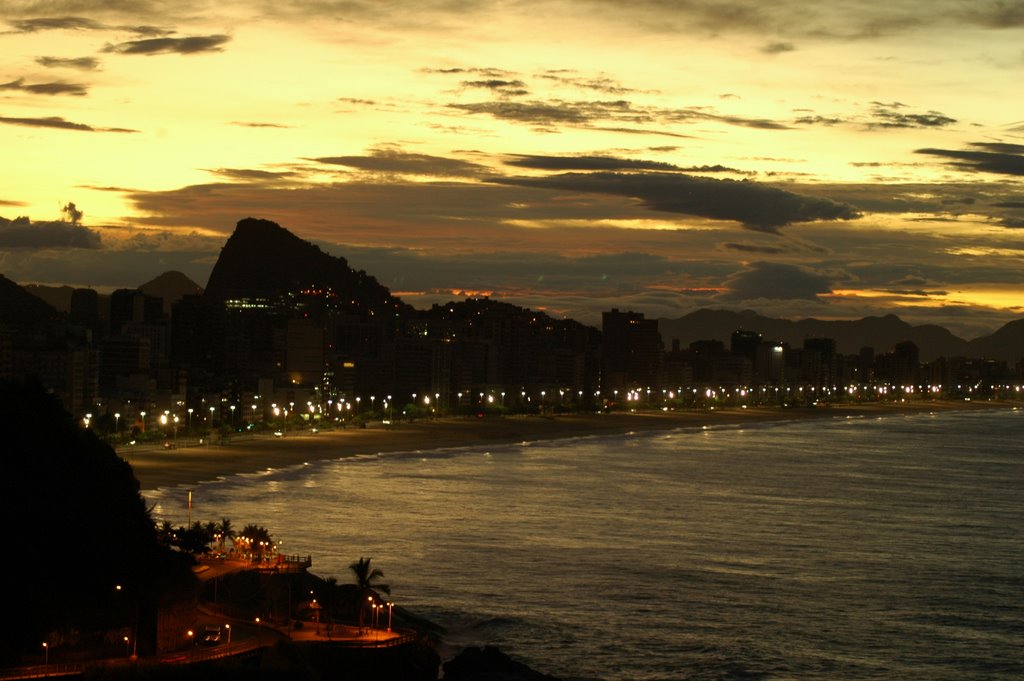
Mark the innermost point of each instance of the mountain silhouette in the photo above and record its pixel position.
(1007, 343)
(263, 260)
(880, 333)
(171, 286)
(20, 308)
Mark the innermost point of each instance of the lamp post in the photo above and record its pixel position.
(126, 646)
(190, 410)
(391, 605)
(135, 624)
(259, 634)
(46, 657)
(228, 627)
(117, 423)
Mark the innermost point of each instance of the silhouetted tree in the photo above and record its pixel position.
(365, 576)
(57, 474)
(225, 531)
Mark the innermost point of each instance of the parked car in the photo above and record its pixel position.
(212, 635)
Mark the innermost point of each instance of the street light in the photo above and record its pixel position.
(135, 624)
(391, 605)
(126, 646)
(228, 627)
(46, 656)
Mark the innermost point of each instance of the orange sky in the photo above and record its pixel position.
(827, 159)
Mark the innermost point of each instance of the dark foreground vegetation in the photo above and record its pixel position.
(77, 528)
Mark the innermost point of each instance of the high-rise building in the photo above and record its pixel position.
(632, 354)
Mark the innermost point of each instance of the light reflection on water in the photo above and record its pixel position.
(853, 549)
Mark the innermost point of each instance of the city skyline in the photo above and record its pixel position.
(831, 160)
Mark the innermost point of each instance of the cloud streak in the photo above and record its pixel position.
(754, 205)
(988, 157)
(58, 123)
(80, 63)
(187, 45)
(396, 161)
(52, 88)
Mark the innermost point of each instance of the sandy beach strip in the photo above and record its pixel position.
(157, 467)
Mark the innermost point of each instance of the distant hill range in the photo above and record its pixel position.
(261, 259)
(171, 286)
(880, 333)
(264, 260)
(21, 309)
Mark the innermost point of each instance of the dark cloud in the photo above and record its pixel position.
(998, 14)
(880, 115)
(757, 206)
(500, 86)
(396, 161)
(777, 48)
(23, 233)
(717, 168)
(58, 122)
(251, 175)
(55, 23)
(255, 124)
(1009, 204)
(4, 202)
(752, 248)
(585, 163)
(888, 116)
(587, 113)
(988, 157)
(485, 72)
(71, 23)
(820, 120)
(643, 131)
(915, 292)
(188, 45)
(72, 213)
(542, 113)
(52, 88)
(80, 63)
(609, 163)
(353, 100)
(604, 84)
(767, 280)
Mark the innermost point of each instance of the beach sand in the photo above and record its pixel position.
(157, 467)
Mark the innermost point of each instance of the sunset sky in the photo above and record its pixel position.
(827, 159)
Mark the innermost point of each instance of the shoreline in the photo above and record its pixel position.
(192, 465)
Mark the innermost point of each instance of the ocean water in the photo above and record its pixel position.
(853, 548)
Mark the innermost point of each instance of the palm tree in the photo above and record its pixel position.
(257, 538)
(365, 581)
(365, 576)
(225, 531)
